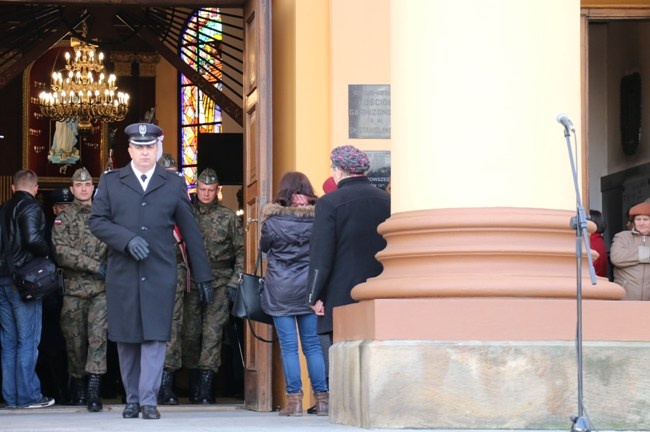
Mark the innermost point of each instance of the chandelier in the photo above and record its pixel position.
(84, 93)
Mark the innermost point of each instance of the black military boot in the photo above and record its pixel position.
(94, 393)
(166, 394)
(78, 390)
(195, 378)
(205, 392)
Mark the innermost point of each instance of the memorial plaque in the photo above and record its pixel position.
(379, 172)
(369, 111)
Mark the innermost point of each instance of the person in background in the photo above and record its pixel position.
(630, 255)
(345, 240)
(24, 239)
(286, 229)
(134, 213)
(203, 324)
(173, 358)
(598, 243)
(52, 365)
(83, 316)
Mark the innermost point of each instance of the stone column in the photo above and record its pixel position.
(472, 323)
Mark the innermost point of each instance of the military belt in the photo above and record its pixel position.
(220, 265)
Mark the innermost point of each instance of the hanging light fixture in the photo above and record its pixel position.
(82, 91)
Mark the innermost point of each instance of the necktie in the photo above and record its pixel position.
(143, 177)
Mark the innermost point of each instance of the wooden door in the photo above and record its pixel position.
(257, 182)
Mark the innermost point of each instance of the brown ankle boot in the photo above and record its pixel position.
(294, 405)
(322, 403)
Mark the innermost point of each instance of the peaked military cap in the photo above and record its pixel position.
(167, 161)
(208, 176)
(143, 133)
(82, 175)
(61, 196)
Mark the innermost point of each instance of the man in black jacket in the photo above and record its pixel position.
(21, 321)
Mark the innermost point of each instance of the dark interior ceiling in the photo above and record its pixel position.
(29, 29)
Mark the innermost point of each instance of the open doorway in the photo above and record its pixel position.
(617, 152)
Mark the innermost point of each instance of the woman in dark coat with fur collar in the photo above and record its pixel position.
(286, 231)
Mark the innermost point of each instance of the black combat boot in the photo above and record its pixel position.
(78, 390)
(94, 393)
(195, 378)
(205, 392)
(166, 394)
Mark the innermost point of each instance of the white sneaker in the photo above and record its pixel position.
(43, 402)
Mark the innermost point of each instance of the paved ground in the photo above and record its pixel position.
(226, 418)
(221, 418)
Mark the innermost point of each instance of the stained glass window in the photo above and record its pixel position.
(200, 48)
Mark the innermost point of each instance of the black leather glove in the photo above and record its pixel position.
(101, 272)
(232, 294)
(138, 248)
(206, 293)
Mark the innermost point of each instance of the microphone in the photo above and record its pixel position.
(564, 121)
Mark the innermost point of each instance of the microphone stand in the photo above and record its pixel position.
(579, 223)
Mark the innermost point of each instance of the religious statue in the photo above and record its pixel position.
(64, 144)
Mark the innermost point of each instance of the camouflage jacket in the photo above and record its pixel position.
(78, 251)
(222, 236)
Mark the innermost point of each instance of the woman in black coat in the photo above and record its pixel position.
(345, 238)
(286, 230)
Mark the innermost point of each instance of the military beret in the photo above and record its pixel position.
(143, 133)
(82, 175)
(167, 161)
(208, 176)
(61, 196)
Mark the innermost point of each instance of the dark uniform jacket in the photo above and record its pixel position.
(286, 232)
(140, 294)
(24, 221)
(344, 243)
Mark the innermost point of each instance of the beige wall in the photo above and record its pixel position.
(301, 97)
(283, 87)
(360, 55)
(613, 3)
(475, 108)
(167, 105)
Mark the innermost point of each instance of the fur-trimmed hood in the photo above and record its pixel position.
(274, 209)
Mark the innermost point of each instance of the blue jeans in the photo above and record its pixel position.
(286, 328)
(20, 334)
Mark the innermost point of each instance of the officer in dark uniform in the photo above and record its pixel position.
(134, 212)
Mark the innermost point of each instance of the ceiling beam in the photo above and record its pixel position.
(229, 107)
(51, 38)
(156, 3)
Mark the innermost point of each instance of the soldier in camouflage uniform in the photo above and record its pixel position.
(83, 316)
(173, 360)
(203, 324)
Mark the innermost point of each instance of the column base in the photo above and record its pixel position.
(482, 252)
(487, 385)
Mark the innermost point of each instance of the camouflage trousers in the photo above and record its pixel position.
(173, 358)
(203, 328)
(84, 326)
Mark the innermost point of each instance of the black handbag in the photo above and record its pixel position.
(37, 278)
(34, 279)
(248, 300)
